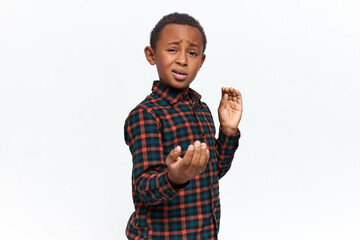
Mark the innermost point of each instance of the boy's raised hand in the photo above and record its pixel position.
(193, 163)
(230, 110)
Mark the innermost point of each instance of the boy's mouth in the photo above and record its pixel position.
(179, 74)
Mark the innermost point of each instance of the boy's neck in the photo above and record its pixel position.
(182, 91)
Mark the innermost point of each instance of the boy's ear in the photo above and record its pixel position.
(150, 55)
(202, 60)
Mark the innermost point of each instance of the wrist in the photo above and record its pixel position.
(229, 130)
(175, 180)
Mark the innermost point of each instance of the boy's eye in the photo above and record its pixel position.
(192, 53)
(171, 50)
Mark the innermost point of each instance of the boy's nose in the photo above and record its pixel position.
(182, 58)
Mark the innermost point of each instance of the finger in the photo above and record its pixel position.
(228, 91)
(206, 161)
(236, 95)
(188, 156)
(223, 91)
(239, 101)
(223, 100)
(173, 156)
(197, 153)
(203, 158)
(195, 159)
(233, 94)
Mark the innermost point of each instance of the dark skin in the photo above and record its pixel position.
(178, 57)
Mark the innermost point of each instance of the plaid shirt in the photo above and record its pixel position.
(164, 120)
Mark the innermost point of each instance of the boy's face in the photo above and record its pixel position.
(178, 55)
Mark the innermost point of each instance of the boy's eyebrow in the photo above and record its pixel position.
(178, 43)
(175, 43)
(194, 45)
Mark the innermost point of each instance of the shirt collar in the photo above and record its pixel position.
(173, 96)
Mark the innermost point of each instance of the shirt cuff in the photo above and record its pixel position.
(228, 139)
(169, 190)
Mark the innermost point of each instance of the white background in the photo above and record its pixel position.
(71, 70)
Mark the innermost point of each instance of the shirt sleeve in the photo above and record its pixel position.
(149, 177)
(226, 146)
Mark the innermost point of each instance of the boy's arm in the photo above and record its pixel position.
(226, 146)
(153, 181)
(230, 112)
(143, 136)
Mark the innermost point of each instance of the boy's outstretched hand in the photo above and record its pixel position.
(230, 110)
(193, 163)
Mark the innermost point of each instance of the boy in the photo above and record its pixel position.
(177, 162)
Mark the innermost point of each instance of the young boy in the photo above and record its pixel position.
(177, 162)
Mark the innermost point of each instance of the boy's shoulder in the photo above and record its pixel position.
(157, 99)
(151, 106)
(150, 103)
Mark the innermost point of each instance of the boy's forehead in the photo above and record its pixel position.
(180, 32)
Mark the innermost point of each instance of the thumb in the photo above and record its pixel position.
(223, 101)
(173, 156)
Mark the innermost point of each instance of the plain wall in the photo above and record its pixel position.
(71, 71)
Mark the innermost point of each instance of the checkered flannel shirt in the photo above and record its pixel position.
(164, 120)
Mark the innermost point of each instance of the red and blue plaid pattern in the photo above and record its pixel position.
(164, 120)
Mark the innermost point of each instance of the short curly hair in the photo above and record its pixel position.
(175, 18)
